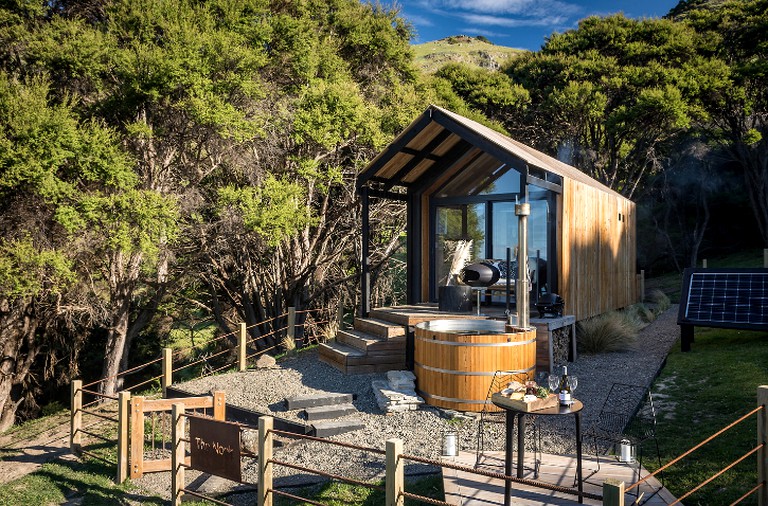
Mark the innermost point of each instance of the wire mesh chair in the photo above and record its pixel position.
(493, 415)
(627, 418)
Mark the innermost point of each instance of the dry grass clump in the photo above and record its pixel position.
(641, 315)
(659, 300)
(609, 332)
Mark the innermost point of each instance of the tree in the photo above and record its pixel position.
(237, 129)
(736, 32)
(612, 95)
(342, 84)
(58, 176)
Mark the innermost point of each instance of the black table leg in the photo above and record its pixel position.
(520, 444)
(578, 457)
(508, 455)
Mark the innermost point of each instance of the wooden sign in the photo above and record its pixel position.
(215, 447)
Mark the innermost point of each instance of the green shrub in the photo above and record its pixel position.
(53, 408)
(609, 332)
(659, 300)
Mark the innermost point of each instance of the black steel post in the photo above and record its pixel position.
(365, 267)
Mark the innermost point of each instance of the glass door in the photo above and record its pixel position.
(459, 240)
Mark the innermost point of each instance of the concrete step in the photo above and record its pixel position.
(329, 412)
(369, 344)
(314, 400)
(330, 428)
(379, 328)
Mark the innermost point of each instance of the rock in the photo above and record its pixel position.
(266, 362)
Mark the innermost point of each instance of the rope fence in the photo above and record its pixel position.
(170, 364)
(393, 454)
(614, 492)
(395, 459)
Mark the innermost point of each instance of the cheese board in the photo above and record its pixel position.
(525, 404)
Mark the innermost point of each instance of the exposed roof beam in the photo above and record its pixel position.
(397, 145)
(416, 152)
(474, 138)
(452, 157)
(417, 159)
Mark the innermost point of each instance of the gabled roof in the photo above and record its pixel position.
(439, 139)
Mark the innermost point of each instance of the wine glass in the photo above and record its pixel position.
(554, 382)
(573, 382)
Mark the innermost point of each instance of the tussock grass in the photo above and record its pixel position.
(659, 300)
(641, 315)
(610, 332)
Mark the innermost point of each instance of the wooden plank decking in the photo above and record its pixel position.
(468, 489)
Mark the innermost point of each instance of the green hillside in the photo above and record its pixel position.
(430, 56)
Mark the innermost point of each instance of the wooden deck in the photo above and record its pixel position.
(468, 489)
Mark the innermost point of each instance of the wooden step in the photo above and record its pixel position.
(379, 328)
(336, 354)
(370, 344)
(352, 361)
(413, 315)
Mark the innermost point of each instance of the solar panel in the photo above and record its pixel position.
(726, 298)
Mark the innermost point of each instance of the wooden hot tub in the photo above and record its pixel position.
(455, 360)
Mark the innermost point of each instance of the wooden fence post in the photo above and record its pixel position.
(137, 437)
(123, 412)
(613, 492)
(219, 405)
(265, 460)
(395, 481)
(242, 340)
(76, 416)
(762, 453)
(167, 379)
(291, 332)
(340, 314)
(642, 285)
(765, 258)
(704, 263)
(179, 452)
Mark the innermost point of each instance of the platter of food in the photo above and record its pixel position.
(525, 397)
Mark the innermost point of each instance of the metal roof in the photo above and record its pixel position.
(440, 141)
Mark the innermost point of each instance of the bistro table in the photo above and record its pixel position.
(513, 411)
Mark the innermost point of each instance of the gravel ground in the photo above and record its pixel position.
(264, 390)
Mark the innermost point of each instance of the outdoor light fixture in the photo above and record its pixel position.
(449, 444)
(627, 451)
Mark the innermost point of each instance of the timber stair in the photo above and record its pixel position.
(323, 410)
(373, 345)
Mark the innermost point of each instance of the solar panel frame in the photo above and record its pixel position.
(735, 298)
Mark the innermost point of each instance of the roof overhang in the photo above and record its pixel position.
(439, 139)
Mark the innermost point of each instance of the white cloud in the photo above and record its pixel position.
(419, 20)
(508, 7)
(487, 20)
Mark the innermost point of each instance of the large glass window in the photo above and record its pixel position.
(485, 227)
(459, 239)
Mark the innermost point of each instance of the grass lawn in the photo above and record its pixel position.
(700, 392)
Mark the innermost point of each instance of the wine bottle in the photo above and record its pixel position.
(564, 390)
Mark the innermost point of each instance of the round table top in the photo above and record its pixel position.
(552, 410)
(559, 410)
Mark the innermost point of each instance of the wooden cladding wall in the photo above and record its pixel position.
(598, 251)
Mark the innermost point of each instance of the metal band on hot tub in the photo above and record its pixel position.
(451, 399)
(455, 343)
(454, 372)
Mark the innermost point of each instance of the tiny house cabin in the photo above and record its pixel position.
(461, 180)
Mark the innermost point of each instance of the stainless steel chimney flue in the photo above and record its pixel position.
(522, 211)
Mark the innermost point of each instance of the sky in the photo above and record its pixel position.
(522, 24)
